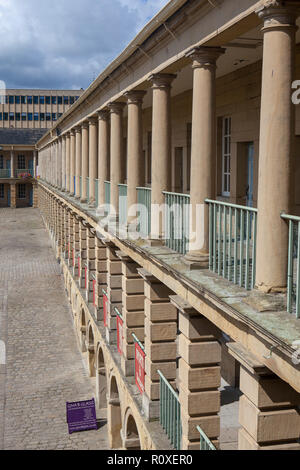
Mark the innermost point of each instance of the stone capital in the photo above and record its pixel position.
(278, 14)
(103, 115)
(78, 129)
(135, 96)
(162, 80)
(85, 125)
(203, 56)
(92, 120)
(72, 132)
(116, 107)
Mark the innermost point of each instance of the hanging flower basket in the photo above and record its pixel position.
(24, 176)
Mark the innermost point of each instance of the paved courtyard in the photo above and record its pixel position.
(44, 367)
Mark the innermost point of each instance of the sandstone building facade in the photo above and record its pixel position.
(197, 112)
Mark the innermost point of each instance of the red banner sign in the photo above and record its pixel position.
(79, 268)
(94, 293)
(140, 368)
(85, 278)
(120, 335)
(73, 257)
(105, 302)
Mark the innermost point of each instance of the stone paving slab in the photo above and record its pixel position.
(44, 367)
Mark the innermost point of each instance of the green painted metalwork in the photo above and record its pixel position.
(170, 411)
(136, 340)
(293, 281)
(232, 242)
(6, 173)
(107, 192)
(144, 201)
(122, 204)
(97, 192)
(177, 221)
(118, 313)
(205, 442)
(88, 189)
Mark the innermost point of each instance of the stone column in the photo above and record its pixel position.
(68, 167)
(199, 376)
(103, 154)
(90, 264)
(13, 195)
(101, 278)
(63, 156)
(83, 254)
(72, 162)
(34, 163)
(268, 409)
(93, 159)
(114, 291)
(116, 153)
(56, 158)
(135, 165)
(12, 164)
(133, 299)
(276, 154)
(76, 245)
(160, 341)
(84, 159)
(161, 149)
(78, 161)
(203, 153)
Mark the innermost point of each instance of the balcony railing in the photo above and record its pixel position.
(122, 204)
(107, 192)
(144, 200)
(232, 242)
(177, 220)
(97, 192)
(4, 173)
(170, 411)
(29, 172)
(88, 189)
(205, 442)
(293, 282)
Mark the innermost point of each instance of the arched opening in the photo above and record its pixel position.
(82, 331)
(101, 381)
(131, 437)
(114, 416)
(91, 352)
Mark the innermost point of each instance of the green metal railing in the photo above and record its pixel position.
(122, 204)
(97, 192)
(4, 173)
(293, 282)
(170, 411)
(205, 442)
(144, 200)
(107, 192)
(25, 172)
(87, 189)
(177, 221)
(232, 242)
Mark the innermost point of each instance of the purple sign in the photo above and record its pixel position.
(81, 416)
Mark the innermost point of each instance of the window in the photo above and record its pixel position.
(1, 162)
(0, 116)
(59, 115)
(48, 100)
(1, 191)
(53, 116)
(42, 116)
(29, 99)
(48, 117)
(17, 99)
(24, 117)
(36, 116)
(226, 156)
(76, 98)
(21, 191)
(42, 100)
(21, 162)
(59, 100)
(11, 99)
(5, 116)
(11, 116)
(29, 116)
(18, 116)
(72, 99)
(23, 99)
(54, 100)
(36, 100)
(66, 100)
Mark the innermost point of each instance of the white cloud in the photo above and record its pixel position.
(65, 44)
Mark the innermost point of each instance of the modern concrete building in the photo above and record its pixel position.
(25, 115)
(197, 114)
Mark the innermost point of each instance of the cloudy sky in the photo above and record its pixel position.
(66, 43)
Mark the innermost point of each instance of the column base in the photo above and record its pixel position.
(196, 260)
(150, 408)
(83, 201)
(155, 241)
(92, 203)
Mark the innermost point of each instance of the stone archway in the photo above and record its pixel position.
(101, 380)
(82, 331)
(114, 417)
(130, 434)
(91, 352)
